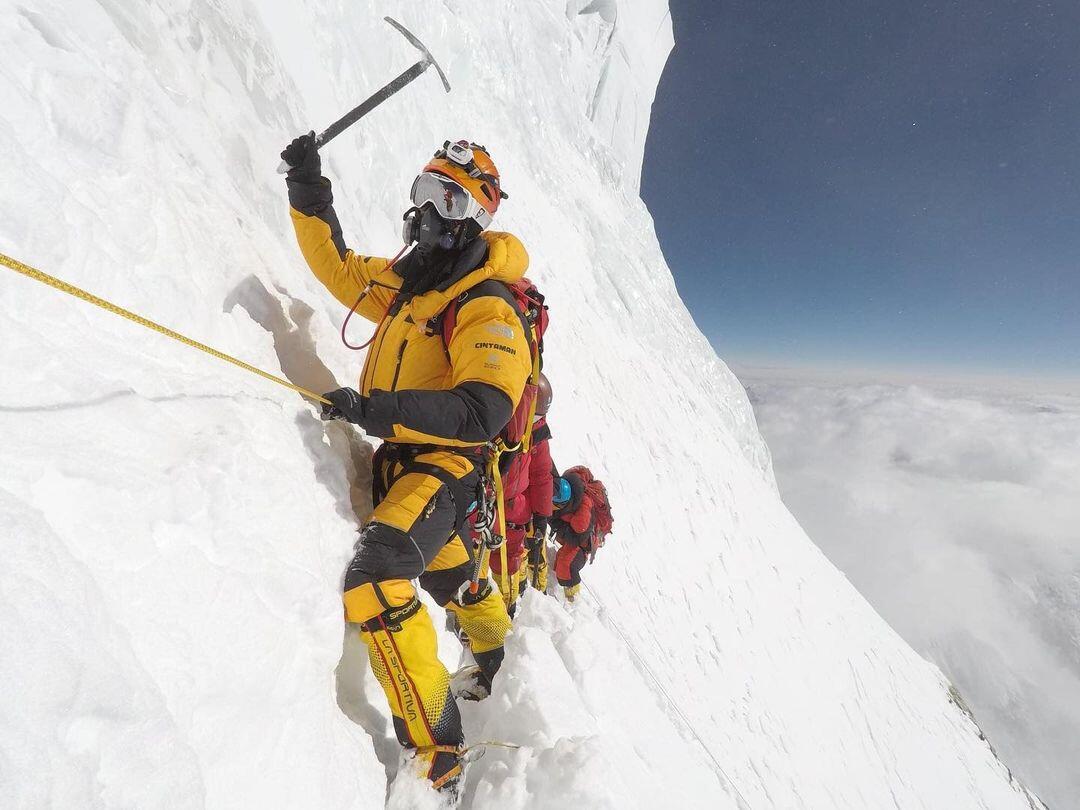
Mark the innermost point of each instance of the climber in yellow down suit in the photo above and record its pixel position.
(435, 405)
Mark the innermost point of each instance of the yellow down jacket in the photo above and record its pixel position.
(427, 392)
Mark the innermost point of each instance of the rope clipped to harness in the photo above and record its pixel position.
(490, 523)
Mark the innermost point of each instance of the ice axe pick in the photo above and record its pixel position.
(381, 95)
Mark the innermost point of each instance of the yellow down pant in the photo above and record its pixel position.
(411, 536)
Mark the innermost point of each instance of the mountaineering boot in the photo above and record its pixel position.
(442, 765)
(536, 576)
(571, 592)
(470, 683)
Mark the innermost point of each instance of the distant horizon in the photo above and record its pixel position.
(741, 365)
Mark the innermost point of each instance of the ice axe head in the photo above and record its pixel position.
(428, 58)
(381, 95)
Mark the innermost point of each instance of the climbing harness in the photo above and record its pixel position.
(393, 460)
(71, 289)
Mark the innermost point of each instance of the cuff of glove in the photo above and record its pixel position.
(309, 191)
(380, 414)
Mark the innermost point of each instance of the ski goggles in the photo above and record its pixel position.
(450, 200)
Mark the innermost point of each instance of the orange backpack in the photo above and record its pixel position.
(597, 492)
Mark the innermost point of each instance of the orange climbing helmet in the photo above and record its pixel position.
(468, 167)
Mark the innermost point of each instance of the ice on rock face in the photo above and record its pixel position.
(181, 528)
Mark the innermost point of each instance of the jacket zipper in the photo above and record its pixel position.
(397, 370)
(374, 356)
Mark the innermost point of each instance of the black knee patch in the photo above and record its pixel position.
(442, 585)
(383, 552)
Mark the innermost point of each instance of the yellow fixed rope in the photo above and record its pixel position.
(504, 586)
(71, 289)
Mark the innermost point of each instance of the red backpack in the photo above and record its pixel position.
(597, 492)
(529, 303)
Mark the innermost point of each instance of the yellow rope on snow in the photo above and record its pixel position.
(71, 289)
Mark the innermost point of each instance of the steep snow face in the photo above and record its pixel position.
(174, 530)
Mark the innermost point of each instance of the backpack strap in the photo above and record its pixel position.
(510, 294)
(448, 317)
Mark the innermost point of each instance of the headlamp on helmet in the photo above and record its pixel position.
(459, 152)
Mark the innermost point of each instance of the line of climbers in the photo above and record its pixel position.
(452, 384)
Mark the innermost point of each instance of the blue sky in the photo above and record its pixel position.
(874, 184)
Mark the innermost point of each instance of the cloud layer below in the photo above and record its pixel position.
(956, 512)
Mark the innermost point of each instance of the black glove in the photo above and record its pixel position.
(303, 159)
(347, 405)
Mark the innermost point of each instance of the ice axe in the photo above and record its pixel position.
(381, 95)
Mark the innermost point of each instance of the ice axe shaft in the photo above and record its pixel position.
(381, 95)
(370, 104)
(363, 108)
(478, 566)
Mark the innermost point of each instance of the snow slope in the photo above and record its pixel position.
(174, 531)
